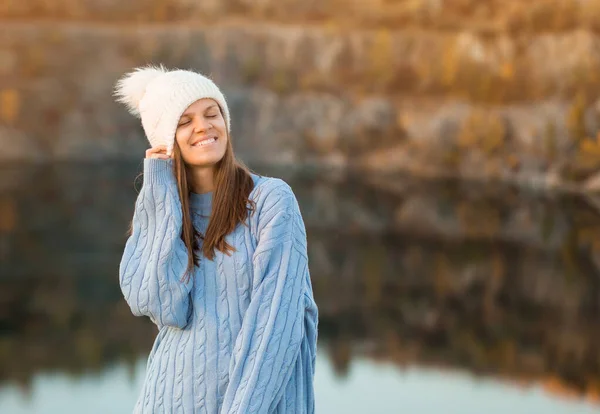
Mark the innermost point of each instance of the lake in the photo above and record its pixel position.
(434, 296)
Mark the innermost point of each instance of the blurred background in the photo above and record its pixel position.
(445, 154)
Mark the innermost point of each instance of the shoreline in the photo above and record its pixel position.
(542, 183)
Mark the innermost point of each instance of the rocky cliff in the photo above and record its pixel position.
(461, 87)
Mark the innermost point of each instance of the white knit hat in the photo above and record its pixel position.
(159, 97)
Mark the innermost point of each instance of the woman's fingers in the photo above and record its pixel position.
(160, 151)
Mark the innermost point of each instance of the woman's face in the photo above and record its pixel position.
(202, 133)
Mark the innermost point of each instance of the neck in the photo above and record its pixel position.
(202, 179)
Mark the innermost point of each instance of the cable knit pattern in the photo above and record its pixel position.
(240, 336)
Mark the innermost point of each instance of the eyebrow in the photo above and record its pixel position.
(210, 107)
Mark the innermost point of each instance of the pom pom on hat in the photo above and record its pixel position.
(159, 96)
(131, 88)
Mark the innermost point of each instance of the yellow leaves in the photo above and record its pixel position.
(33, 61)
(402, 119)
(381, 57)
(507, 71)
(589, 13)
(576, 117)
(468, 138)
(449, 65)
(160, 11)
(513, 161)
(587, 156)
(483, 130)
(10, 104)
(383, 44)
(495, 137)
(591, 147)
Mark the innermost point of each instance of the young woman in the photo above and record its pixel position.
(217, 259)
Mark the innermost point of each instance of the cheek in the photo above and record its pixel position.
(181, 135)
(224, 141)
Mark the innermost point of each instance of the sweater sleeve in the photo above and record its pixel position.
(155, 258)
(269, 341)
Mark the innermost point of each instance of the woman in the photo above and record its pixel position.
(217, 259)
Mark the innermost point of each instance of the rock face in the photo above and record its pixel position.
(59, 85)
(491, 87)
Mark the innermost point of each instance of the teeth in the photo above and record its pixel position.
(205, 142)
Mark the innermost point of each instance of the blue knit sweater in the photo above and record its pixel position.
(240, 336)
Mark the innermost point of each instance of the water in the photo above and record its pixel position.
(434, 297)
(371, 388)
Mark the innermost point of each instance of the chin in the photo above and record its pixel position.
(202, 161)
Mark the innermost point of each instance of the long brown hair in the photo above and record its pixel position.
(230, 205)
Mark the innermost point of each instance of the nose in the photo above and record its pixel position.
(201, 124)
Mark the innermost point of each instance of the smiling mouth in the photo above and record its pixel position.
(205, 142)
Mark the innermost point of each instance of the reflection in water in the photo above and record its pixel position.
(496, 283)
(371, 388)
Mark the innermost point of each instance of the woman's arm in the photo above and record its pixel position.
(155, 258)
(268, 343)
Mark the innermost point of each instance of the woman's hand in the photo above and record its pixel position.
(160, 152)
